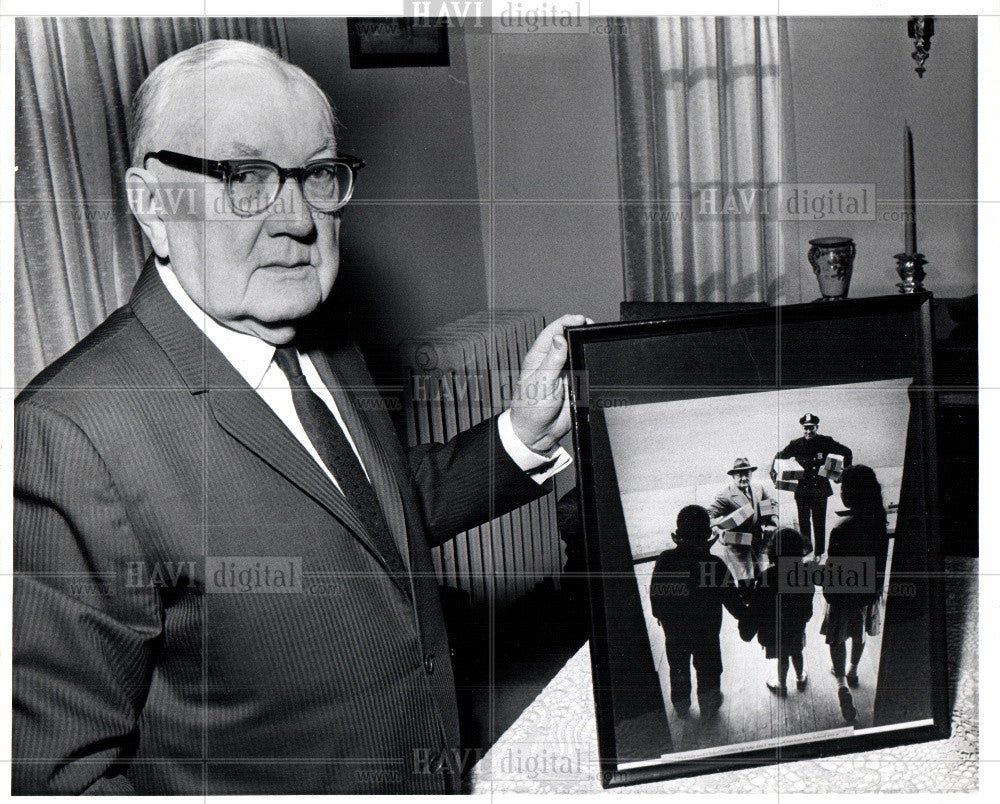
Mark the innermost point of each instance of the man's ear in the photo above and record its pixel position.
(147, 207)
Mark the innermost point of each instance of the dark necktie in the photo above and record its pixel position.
(328, 437)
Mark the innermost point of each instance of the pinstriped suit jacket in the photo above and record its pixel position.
(142, 453)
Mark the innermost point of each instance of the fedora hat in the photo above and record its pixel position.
(809, 418)
(741, 465)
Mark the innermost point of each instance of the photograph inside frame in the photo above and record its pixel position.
(669, 456)
(762, 549)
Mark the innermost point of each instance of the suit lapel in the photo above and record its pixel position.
(237, 408)
(248, 419)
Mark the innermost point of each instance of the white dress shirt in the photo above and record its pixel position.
(253, 358)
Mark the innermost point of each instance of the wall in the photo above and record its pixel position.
(854, 86)
(528, 120)
(546, 154)
(412, 262)
(411, 241)
(555, 231)
(419, 248)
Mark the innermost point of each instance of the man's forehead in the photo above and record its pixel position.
(245, 111)
(233, 79)
(241, 149)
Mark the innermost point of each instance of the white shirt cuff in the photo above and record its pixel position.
(538, 466)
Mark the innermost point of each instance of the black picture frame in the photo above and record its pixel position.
(714, 355)
(377, 42)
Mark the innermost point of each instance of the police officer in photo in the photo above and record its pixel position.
(812, 491)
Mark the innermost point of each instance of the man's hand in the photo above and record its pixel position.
(539, 410)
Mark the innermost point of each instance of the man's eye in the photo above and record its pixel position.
(253, 175)
(322, 174)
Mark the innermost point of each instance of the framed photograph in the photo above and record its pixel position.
(758, 495)
(396, 42)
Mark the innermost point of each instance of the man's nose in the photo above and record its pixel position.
(290, 214)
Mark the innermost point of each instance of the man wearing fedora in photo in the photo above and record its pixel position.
(740, 492)
(811, 493)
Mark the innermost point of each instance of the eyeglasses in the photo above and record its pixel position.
(253, 185)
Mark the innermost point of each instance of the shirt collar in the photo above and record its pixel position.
(249, 355)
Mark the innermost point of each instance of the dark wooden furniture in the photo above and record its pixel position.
(956, 376)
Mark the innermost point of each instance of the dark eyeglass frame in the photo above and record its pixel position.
(224, 169)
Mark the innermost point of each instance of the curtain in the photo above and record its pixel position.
(705, 138)
(78, 250)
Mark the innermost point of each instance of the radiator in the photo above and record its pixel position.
(457, 376)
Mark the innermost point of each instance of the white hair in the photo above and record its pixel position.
(146, 116)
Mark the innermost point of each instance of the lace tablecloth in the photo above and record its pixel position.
(552, 746)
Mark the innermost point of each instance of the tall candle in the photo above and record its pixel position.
(909, 203)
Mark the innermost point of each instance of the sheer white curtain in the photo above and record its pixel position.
(705, 137)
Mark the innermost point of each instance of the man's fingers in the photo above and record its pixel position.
(558, 326)
(554, 360)
(543, 380)
(571, 320)
(543, 343)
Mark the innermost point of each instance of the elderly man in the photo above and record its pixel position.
(223, 580)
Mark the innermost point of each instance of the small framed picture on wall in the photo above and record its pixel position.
(396, 42)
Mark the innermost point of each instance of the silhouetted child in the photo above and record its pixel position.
(780, 607)
(689, 588)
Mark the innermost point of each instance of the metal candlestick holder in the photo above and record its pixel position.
(920, 30)
(910, 268)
